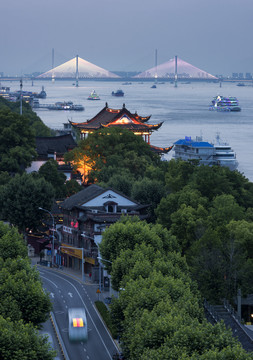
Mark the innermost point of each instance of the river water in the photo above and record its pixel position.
(184, 110)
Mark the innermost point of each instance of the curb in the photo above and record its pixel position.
(59, 339)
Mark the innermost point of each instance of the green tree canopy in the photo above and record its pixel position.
(12, 243)
(19, 341)
(17, 142)
(21, 199)
(21, 287)
(49, 171)
(117, 148)
(39, 128)
(125, 234)
(147, 191)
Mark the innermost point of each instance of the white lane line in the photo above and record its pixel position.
(50, 281)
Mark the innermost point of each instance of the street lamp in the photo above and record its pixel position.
(99, 258)
(40, 208)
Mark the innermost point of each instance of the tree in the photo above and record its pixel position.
(19, 341)
(224, 209)
(71, 187)
(36, 124)
(21, 199)
(173, 201)
(21, 291)
(115, 148)
(49, 171)
(122, 181)
(147, 191)
(12, 243)
(128, 232)
(142, 261)
(17, 142)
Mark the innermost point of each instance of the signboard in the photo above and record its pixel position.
(70, 250)
(76, 252)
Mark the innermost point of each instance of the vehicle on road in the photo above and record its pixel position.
(78, 330)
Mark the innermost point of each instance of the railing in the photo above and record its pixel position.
(231, 311)
(211, 311)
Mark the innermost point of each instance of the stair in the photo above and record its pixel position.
(239, 331)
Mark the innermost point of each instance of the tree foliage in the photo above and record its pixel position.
(23, 303)
(19, 341)
(21, 199)
(36, 124)
(115, 149)
(17, 142)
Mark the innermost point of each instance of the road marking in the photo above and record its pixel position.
(50, 281)
(52, 294)
(70, 294)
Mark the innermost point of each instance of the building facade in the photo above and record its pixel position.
(85, 216)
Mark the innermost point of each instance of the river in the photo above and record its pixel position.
(184, 110)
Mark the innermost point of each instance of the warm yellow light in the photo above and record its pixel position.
(77, 322)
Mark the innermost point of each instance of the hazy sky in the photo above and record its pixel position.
(213, 35)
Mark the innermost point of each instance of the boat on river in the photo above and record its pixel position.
(221, 103)
(60, 105)
(93, 96)
(206, 153)
(118, 93)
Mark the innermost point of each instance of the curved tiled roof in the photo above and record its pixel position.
(107, 116)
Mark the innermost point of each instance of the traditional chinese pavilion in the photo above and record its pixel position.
(121, 118)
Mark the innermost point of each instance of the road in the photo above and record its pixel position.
(66, 292)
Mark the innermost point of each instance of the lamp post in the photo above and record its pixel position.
(99, 258)
(40, 208)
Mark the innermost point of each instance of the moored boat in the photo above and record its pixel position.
(206, 153)
(61, 105)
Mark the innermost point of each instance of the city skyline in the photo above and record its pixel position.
(121, 35)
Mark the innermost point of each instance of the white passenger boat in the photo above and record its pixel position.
(217, 153)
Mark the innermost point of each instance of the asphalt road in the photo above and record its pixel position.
(67, 292)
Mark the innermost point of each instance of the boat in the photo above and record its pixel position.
(221, 103)
(93, 96)
(118, 93)
(224, 155)
(61, 105)
(65, 106)
(206, 153)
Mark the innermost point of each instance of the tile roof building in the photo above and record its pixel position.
(121, 118)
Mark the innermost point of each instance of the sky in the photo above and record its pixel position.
(122, 35)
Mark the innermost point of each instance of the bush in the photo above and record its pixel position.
(106, 316)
